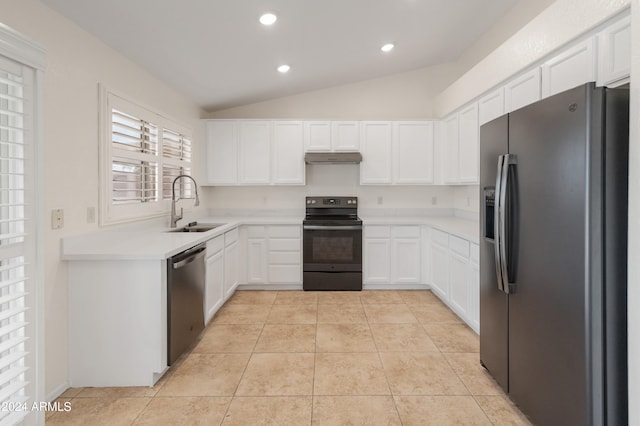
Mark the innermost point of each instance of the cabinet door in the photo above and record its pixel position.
(571, 68)
(317, 136)
(230, 269)
(376, 152)
(614, 52)
(474, 288)
(458, 283)
(256, 261)
(450, 149)
(345, 136)
(214, 292)
(288, 153)
(522, 90)
(405, 258)
(491, 106)
(468, 144)
(376, 260)
(255, 152)
(440, 272)
(221, 152)
(413, 145)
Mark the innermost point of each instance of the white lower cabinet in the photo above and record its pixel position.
(392, 254)
(214, 281)
(230, 263)
(455, 275)
(274, 254)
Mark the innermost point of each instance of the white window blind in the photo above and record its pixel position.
(16, 245)
(142, 154)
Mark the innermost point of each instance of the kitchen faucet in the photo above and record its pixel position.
(174, 217)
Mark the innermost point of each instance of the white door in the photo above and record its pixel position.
(522, 90)
(377, 254)
(345, 136)
(230, 269)
(413, 152)
(450, 149)
(440, 272)
(469, 144)
(288, 153)
(255, 152)
(214, 291)
(317, 136)
(571, 68)
(221, 164)
(491, 106)
(256, 261)
(458, 283)
(614, 52)
(406, 260)
(376, 152)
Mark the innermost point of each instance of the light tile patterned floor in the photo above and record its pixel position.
(315, 358)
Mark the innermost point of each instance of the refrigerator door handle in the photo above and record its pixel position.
(497, 238)
(507, 161)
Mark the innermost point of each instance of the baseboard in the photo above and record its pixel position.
(55, 394)
(397, 286)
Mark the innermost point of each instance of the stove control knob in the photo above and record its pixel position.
(313, 201)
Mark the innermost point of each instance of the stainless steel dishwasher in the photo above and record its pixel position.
(185, 299)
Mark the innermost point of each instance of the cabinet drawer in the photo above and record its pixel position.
(285, 258)
(439, 237)
(377, 231)
(474, 254)
(230, 237)
(406, 231)
(284, 244)
(459, 246)
(292, 231)
(254, 231)
(284, 274)
(214, 245)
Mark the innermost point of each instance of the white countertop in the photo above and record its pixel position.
(149, 242)
(463, 228)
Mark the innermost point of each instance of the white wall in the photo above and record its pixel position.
(76, 62)
(634, 224)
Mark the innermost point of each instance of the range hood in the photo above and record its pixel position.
(333, 158)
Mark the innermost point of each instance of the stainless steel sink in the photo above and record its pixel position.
(195, 228)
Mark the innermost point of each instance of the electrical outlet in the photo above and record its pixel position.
(434, 201)
(380, 200)
(91, 214)
(57, 219)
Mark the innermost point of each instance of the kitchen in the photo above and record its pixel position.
(77, 62)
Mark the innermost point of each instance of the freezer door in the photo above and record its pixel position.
(493, 301)
(547, 323)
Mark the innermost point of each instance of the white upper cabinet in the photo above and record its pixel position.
(468, 144)
(450, 149)
(317, 136)
(571, 68)
(288, 153)
(254, 152)
(491, 106)
(376, 152)
(413, 152)
(614, 52)
(221, 152)
(345, 136)
(522, 90)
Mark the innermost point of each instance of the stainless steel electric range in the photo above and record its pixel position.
(332, 244)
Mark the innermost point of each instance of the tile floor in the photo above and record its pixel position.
(315, 358)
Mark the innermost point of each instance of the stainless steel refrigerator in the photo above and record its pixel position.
(553, 258)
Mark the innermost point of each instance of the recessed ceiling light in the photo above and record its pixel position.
(284, 68)
(387, 47)
(268, 19)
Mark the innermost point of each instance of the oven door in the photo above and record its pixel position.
(332, 248)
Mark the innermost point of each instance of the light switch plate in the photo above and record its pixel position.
(57, 219)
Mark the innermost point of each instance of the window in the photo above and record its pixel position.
(142, 154)
(20, 340)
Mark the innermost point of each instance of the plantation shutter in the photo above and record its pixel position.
(17, 247)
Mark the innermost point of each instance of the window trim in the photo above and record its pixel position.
(113, 213)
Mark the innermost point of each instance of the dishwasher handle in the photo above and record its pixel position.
(188, 256)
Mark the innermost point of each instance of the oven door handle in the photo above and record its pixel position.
(331, 228)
